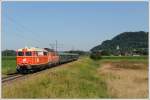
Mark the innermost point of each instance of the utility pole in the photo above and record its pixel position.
(6, 52)
(56, 45)
(72, 48)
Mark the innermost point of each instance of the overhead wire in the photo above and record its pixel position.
(20, 36)
(20, 25)
(23, 27)
(17, 23)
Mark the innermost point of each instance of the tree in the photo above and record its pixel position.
(8, 53)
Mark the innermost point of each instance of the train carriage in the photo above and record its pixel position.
(66, 57)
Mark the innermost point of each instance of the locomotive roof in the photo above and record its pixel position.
(32, 49)
(50, 50)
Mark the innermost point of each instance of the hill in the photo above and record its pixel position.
(125, 42)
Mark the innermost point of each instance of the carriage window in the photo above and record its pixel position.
(28, 54)
(20, 54)
(45, 53)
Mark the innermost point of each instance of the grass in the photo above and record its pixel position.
(110, 77)
(8, 64)
(74, 80)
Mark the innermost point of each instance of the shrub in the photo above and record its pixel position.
(95, 56)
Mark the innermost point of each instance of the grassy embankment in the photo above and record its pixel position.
(73, 80)
(110, 77)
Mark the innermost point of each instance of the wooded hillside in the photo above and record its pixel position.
(125, 42)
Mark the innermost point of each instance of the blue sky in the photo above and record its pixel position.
(75, 25)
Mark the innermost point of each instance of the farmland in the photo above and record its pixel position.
(85, 78)
(8, 64)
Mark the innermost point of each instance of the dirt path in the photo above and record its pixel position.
(124, 81)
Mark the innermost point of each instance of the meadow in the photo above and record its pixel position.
(8, 64)
(109, 77)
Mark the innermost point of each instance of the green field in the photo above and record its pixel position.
(81, 79)
(8, 64)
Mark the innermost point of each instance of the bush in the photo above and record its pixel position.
(95, 56)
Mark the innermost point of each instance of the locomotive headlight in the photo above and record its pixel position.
(24, 60)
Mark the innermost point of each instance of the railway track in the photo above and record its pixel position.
(11, 77)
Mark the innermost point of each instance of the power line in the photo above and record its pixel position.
(21, 36)
(55, 45)
(51, 45)
(24, 28)
(21, 26)
(17, 22)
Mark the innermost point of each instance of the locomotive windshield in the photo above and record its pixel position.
(45, 53)
(20, 53)
(28, 54)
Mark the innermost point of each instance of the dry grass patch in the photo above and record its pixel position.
(126, 79)
(130, 65)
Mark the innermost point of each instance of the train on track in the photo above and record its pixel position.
(30, 59)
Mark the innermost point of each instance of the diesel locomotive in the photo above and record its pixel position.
(30, 59)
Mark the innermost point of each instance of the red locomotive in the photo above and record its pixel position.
(37, 58)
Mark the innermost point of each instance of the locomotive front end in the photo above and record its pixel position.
(23, 59)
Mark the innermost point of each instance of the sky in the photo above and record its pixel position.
(74, 25)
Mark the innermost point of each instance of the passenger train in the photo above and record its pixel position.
(30, 59)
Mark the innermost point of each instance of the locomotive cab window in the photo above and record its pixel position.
(28, 53)
(20, 53)
(45, 53)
